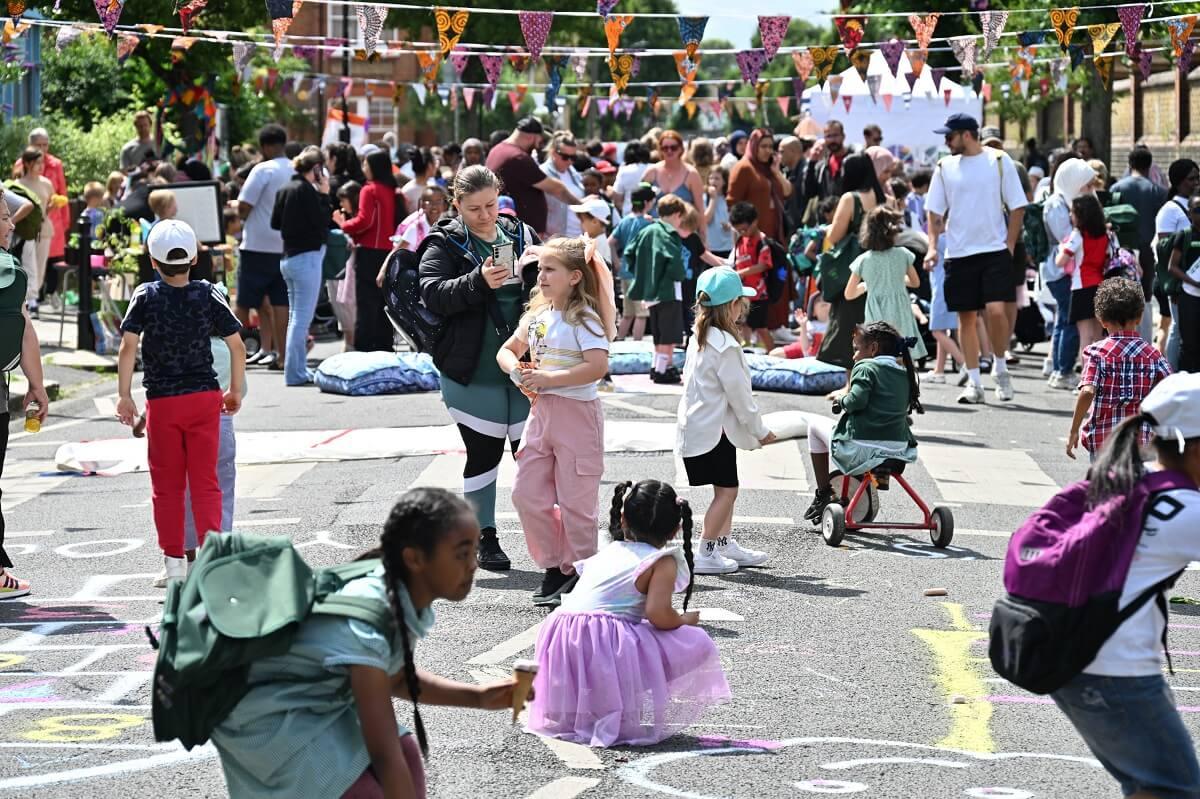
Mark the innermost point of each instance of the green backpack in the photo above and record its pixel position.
(1033, 233)
(29, 228)
(243, 601)
(1123, 218)
(833, 265)
(1170, 285)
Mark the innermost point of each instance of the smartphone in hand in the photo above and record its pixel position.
(503, 256)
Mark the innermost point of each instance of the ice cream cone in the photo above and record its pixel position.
(523, 672)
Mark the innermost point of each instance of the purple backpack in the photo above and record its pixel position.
(1064, 573)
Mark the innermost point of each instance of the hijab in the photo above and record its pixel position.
(751, 157)
(1073, 176)
(884, 163)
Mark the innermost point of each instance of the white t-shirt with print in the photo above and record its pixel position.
(969, 189)
(1172, 219)
(556, 344)
(263, 183)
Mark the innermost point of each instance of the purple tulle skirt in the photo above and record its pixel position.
(604, 680)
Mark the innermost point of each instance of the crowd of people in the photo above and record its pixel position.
(537, 251)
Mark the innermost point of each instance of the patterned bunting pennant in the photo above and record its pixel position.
(823, 60)
(602, 103)
(760, 90)
(772, 30)
(687, 92)
(923, 27)
(861, 59)
(449, 27)
(1142, 60)
(835, 85)
(535, 25)
(621, 68)
(370, 22)
(938, 74)
(1185, 56)
(917, 59)
(151, 29)
(946, 97)
(429, 63)
(580, 60)
(492, 64)
(1075, 51)
(1058, 73)
(1101, 35)
(362, 55)
(1030, 38)
(964, 51)
(605, 7)
(520, 62)
(1022, 85)
(420, 91)
(851, 30)
(243, 54)
(892, 50)
(873, 82)
(1181, 31)
(993, 23)
(803, 61)
(613, 28)
(1103, 66)
(1131, 20)
(1022, 66)
(751, 63)
(1063, 21)
(460, 60)
(188, 12)
(691, 32)
(126, 44)
(686, 67)
(179, 47)
(110, 13)
(15, 9)
(554, 68)
(489, 97)
(980, 89)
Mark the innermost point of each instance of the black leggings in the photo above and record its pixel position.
(4, 418)
(372, 330)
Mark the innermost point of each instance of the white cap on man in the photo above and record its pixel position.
(172, 242)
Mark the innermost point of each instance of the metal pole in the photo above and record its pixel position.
(85, 335)
(345, 134)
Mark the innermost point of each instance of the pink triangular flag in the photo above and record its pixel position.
(460, 60)
(536, 27)
(784, 104)
(772, 30)
(946, 94)
(492, 64)
(602, 103)
(847, 100)
(1131, 20)
(887, 103)
(469, 96)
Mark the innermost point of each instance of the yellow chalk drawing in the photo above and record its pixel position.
(8, 660)
(955, 675)
(82, 727)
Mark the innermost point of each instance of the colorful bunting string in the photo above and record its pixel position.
(1131, 20)
(1101, 35)
(850, 30)
(535, 26)
(892, 50)
(492, 64)
(916, 60)
(686, 66)
(620, 67)
(450, 28)
(126, 44)
(1103, 65)
(188, 12)
(993, 23)
(1181, 31)
(860, 59)
(803, 61)
(429, 63)
(1185, 56)
(1063, 21)
(751, 63)
(605, 7)
(110, 13)
(964, 50)
(772, 31)
(613, 28)
(873, 84)
(691, 32)
(370, 21)
(824, 59)
(923, 27)
(460, 60)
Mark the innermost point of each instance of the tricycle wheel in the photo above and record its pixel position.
(833, 524)
(943, 528)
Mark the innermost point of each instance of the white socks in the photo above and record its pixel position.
(999, 366)
(975, 379)
(661, 362)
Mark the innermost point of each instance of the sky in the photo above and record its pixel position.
(739, 31)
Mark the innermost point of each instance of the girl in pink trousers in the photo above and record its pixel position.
(566, 331)
(617, 664)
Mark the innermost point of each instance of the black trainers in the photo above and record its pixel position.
(491, 556)
(823, 497)
(554, 585)
(669, 377)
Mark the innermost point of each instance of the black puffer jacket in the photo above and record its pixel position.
(452, 284)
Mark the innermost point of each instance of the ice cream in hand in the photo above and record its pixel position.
(523, 672)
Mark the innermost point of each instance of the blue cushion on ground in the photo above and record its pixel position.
(362, 374)
(798, 376)
(635, 358)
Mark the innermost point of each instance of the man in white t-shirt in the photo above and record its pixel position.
(559, 164)
(259, 277)
(976, 200)
(1172, 218)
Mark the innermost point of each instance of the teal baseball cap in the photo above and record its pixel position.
(722, 285)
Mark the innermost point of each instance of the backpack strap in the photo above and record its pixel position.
(1157, 592)
(368, 611)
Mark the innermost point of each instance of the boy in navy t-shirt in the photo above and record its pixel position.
(174, 319)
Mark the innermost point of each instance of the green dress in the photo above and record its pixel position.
(296, 735)
(887, 297)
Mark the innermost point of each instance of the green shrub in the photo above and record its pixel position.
(86, 154)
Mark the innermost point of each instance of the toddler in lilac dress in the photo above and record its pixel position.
(616, 663)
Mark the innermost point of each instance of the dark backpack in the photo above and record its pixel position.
(833, 265)
(1123, 219)
(778, 273)
(1064, 573)
(1170, 284)
(29, 228)
(420, 327)
(1033, 233)
(243, 601)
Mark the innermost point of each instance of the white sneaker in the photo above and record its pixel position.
(710, 561)
(173, 569)
(1056, 380)
(729, 548)
(783, 335)
(1048, 367)
(1004, 386)
(934, 378)
(971, 395)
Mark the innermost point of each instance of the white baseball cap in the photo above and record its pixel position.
(1175, 406)
(596, 206)
(172, 242)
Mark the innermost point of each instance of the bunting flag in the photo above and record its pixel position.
(887, 103)
(613, 28)
(1131, 20)
(17, 7)
(798, 90)
(1022, 66)
(980, 89)
(691, 33)
(187, 12)
(686, 67)
(1058, 73)
(785, 104)
(179, 47)
(917, 59)
(468, 96)
(281, 21)
(993, 23)
(605, 7)
(637, 66)
(772, 30)
(621, 67)
(520, 62)
(429, 61)
(1022, 85)
(243, 54)
(535, 25)
(580, 60)
(362, 55)
(1030, 38)
(1143, 60)
(851, 30)
(492, 64)
(824, 59)
(690, 107)
(489, 97)
(964, 51)
(946, 97)
(420, 91)
(603, 103)
(687, 92)
(65, 36)
(515, 98)
(760, 90)
(938, 74)
(370, 22)
(1101, 35)
(110, 13)
(126, 44)
(11, 32)
(450, 28)
(1076, 53)
(803, 61)
(892, 50)
(1181, 31)
(923, 27)
(151, 29)
(1185, 56)
(911, 77)
(847, 100)
(751, 63)
(835, 86)
(460, 60)
(1063, 21)
(861, 59)
(873, 83)
(1103, 65)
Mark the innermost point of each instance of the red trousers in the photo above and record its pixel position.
(183, 436)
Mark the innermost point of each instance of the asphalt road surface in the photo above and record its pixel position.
(846, 678)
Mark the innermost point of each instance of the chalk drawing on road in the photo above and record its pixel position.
(956, 675)
(84, 549)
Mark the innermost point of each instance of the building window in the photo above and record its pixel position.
(336, 14)
(383, 114)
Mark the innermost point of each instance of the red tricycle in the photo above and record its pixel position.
(844, 513)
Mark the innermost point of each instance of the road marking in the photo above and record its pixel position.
(269, 480)
(81, 622)
(124, 685)
(446, 471)
(565, 788)
(642, 409)
(573, 755)
(39, 443)
(265, 522)
(322, 538)
(987, 476)
(36, 674)
(108, 769)
(9, 707)
(56, 426)
(94, 587)
(105, 407)
(954, 675)
(719, 614)
(776, 468)
(26, 480)
(95, 656)
(506, 649)
(30, 533)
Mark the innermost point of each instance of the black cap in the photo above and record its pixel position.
(956, 122)
(530, 125)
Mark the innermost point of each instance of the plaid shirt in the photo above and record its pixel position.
(1122, 368)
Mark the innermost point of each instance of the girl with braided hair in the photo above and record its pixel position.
(617, 663)
(318, 721)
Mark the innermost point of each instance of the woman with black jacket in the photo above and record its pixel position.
(302, 216)
(482, 305)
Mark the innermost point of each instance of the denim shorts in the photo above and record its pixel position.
(1132, 727)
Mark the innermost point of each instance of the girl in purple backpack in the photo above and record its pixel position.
(1120, 703)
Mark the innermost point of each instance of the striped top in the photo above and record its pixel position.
(556, 344)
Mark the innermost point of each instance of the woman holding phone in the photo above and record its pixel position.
(477, 271)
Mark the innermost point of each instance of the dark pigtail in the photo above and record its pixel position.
(1118, 466)
(914, 385)
(685, 514)
(410, 668)
(616, 530)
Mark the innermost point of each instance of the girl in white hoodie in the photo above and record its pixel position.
(1071, 178)
(718, 416)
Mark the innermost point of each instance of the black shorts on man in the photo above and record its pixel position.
(666, 322)
(259, 277)
(976, 280)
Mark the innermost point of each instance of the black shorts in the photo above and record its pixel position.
(756, 319)
(1164, 303)
(666, 322)
(1083, 305)
(974, 281)
(258, 278)
(717, 467)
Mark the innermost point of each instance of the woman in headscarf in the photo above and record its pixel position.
(885, 166)
(757, 178)
(1070, 178)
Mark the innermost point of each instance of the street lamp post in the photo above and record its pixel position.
(345, 133)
